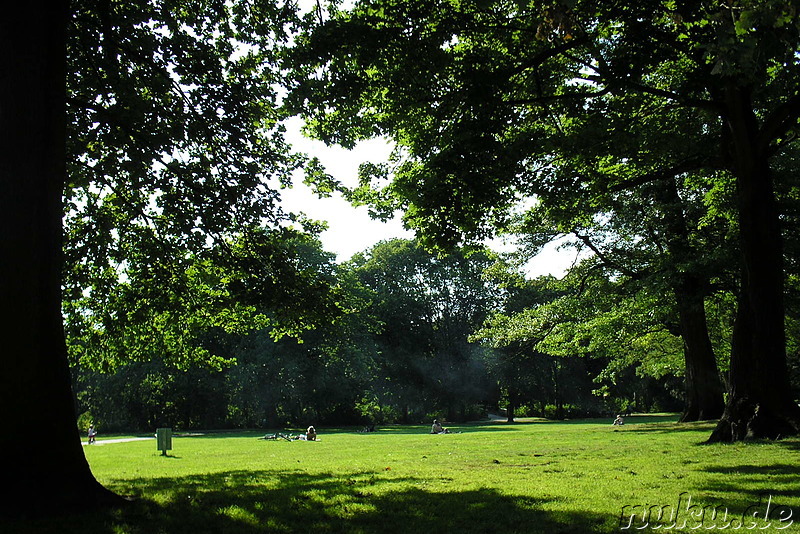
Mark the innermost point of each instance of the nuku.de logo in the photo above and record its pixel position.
(684, 515)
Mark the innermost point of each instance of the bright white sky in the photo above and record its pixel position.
(351, 229)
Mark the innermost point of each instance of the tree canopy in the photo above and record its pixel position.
(176, 157)
(578, 104)
(169, 154)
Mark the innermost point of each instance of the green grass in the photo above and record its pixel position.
(529, 477)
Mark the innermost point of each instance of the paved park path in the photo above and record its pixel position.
(492, 417)
(123, 440)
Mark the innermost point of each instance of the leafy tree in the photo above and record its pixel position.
(656, 239)
(48, 465)
(320, 378)
(144, 395)
(588, 317)
(517, 367)
(427, 306)
(491, 102)
(171, 140)
(207, 354)
(174, 148)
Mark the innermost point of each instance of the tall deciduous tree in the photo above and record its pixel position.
(483, 98)
(651, 240)
(428, 305)
(165, 140)
(174, 150)
(41, 449)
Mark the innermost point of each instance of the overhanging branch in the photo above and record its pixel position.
(555, 98)
(604, 258)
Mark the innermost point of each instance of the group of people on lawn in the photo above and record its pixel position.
(311, 432)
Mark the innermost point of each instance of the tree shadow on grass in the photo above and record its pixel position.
(747, 489)
(775, 479)
(706, 427)
(245, 502)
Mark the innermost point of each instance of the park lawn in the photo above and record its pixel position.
(528, 477)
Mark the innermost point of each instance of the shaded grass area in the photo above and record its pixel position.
(270, 501)
(528, 477)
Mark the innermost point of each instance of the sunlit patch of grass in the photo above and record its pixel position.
(539, 476)
(239, 514)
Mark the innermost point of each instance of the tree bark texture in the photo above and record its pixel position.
(760, 403)
(42, 457)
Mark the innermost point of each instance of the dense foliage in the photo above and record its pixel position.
(176, 158)
(547, 120)
(654, 134)
(398, 348)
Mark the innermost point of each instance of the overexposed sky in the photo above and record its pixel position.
(350, 229)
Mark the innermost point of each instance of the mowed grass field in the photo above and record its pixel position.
(528, 477)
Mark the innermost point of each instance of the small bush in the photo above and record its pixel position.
(84, 420)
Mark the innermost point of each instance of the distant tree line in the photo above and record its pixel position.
(403, 343)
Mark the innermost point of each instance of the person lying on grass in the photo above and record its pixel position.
(310, 435)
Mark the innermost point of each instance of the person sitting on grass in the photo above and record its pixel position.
(619, 421)
(311, 434)
(436, 428)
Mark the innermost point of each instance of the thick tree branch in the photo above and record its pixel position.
(555, 98)
(691, 102)
(539, 59)
(603, 70)
(607, 261)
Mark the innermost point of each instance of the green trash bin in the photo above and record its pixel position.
(164, 440)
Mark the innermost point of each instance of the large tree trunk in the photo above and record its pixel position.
(760, 403)
(704, 389)
(43, 462)
(703, 386)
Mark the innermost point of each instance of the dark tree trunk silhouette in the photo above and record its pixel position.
(760, 403)
(510, 412)
(43, 459)
(704, 389)
(703, 386)
(514, 398)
